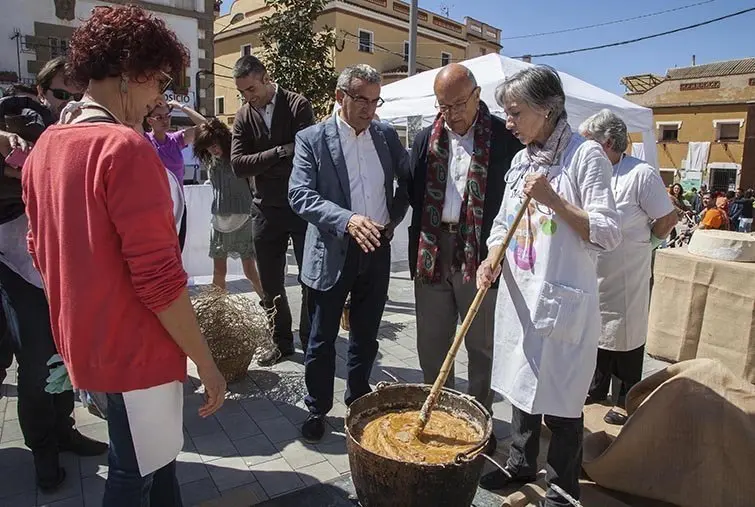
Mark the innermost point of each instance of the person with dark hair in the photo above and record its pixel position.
(745, 215)
(231, 234)
(169, 144)
(547, 322)
(103, 234)
(45, 418)
(349, 183)
(262, 150)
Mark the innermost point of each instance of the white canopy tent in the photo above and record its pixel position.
(414, 96)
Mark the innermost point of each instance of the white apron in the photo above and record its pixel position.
(624, 273)
(547, 321)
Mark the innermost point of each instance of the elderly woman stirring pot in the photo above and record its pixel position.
(547, 320)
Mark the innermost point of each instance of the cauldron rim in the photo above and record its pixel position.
(487, 431)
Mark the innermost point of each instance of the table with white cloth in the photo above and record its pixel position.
(703, 307)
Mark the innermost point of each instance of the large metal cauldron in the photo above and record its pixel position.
(385, 482)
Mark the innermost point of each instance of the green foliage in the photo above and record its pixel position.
(298, 58)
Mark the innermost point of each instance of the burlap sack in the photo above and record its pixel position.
(689, 441)
(703, 308)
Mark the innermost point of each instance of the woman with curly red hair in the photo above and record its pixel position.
(103, 235)
(231, 234)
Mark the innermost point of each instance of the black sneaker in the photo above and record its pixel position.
(313, 428)
(81, 445)
(500, 479)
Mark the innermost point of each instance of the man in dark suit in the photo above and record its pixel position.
(343, 185)
(456, 190)
(262, 150)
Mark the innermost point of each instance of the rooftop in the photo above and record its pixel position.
(715, 69)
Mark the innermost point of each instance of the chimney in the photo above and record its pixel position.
(527, 58)
(693, 60)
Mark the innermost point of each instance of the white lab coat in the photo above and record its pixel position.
(547, 321)
(624, 273)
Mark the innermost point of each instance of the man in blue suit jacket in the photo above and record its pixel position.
(342, 184)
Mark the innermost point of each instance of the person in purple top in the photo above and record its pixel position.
(169, 144)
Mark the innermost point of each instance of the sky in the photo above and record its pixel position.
(724, 40)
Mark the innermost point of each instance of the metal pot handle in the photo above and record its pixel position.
(384, 383)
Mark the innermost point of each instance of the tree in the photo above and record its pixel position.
(298, 58)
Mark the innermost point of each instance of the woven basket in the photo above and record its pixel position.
(235, 329)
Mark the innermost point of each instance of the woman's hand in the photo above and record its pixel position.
(486, 275)
(537, 186)
(174, 104)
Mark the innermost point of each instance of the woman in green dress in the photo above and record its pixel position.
(231, 233)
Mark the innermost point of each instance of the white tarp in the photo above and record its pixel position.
(414, 96)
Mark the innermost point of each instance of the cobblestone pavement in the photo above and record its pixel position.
(249, 451)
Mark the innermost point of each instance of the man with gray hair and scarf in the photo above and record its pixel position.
(342, 183)
(646, 217)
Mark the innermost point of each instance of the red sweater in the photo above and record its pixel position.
(103, 236)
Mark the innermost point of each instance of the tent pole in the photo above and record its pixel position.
(413, 18)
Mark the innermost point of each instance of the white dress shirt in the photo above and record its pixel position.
(366, 176)
(460, 150)
(267, 112)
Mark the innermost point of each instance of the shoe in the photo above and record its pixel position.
(313, 428)
(491, 446)
(615, 418)
(50, 475)
(81, 445)
(345, 316)
(274, 355)
(499, 480)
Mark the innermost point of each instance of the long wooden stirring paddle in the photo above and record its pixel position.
(445, 370)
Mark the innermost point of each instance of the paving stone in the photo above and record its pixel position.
(93, 465)
(214, 446)
(279, 429)
(242, 496)
(197, 426)
(190, 468)
(93, 489)
(299, 454)
(27, 499)
(238, 425)
(260, 410)
(15, 479)
(198, 492)
(11, 431)
(228, 473)
(77, 501)
(317, 473)
(277, 477)
(256, 449)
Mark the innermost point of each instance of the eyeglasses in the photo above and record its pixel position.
(161, 117)
(62, 94)
(455, 108)
(165, 81)
(364, 101)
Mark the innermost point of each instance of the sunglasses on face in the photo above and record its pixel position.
(164, 81)
(61, 94)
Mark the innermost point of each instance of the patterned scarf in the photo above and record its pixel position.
(549, 153)
(468, 240)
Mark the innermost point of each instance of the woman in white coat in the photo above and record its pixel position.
(647, 217)
(547, 317)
